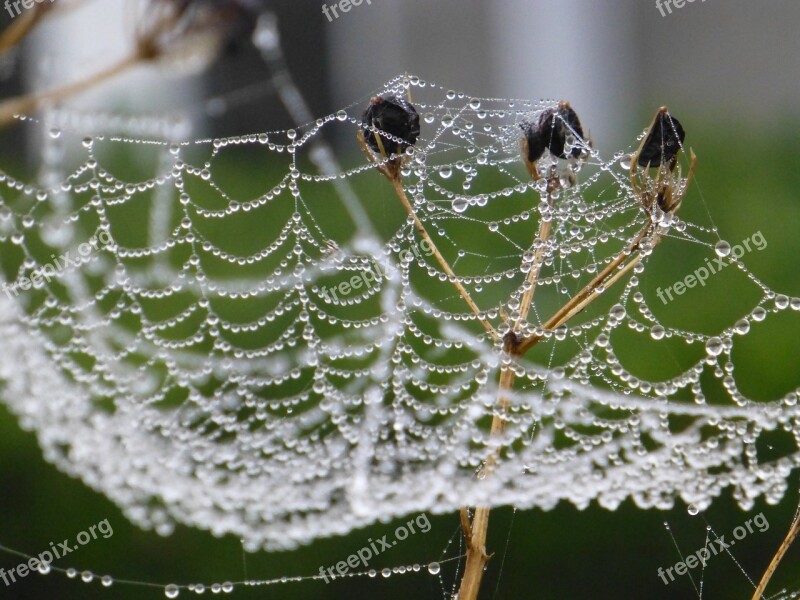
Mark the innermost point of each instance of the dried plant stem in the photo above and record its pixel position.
(33, 102)
(538, 259)
(475, 531)
(392, 173)
(794, 530)
(23, 25)
(583, 298)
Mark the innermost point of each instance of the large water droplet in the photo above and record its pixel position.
(172, 591)
(617, 312)
(742, 326)
(445, 172)
(693, 510)
(722, 248)
(714, 346)
(657, 332)
(434, 568)
(460, 204)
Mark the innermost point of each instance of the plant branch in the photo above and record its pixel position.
(391, 170)
(21, 26)
(579, 301)
(476, 531)
(33, 102)
(794, 530)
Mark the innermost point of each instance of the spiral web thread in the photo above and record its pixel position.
(190, 362)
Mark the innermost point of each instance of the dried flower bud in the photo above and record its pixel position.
(663, 142)
(394, 120)
(221, 25)
(550, 133)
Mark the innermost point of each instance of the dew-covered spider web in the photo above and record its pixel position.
(213, 333)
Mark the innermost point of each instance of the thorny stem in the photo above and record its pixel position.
(794, 530)
(31, 103)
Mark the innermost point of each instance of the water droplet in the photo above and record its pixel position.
(625, 162)
(657, 332)
(742, 326)
(474, 104)
(44, 568)
(341, 115)
(87, 142)
(386, 572)
(447, 121)
(107, 581)
(714, 346)
(693, 510)
(617, 312)
(434, 568)
(722, 248)
(446, 171)
(759, 313)
(55, 133)
(87, 577)
(460, 204)
(172, 591)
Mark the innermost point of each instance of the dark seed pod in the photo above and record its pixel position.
(663, 142)
(395, 120)
(550, 133)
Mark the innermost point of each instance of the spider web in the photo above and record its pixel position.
(283, 366)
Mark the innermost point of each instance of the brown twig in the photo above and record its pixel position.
(794, 530)
(25, 105)
(23, 25)
(391, 170)
(475, 531)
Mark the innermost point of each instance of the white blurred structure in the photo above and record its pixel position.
(614, 61)
(79, 41)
